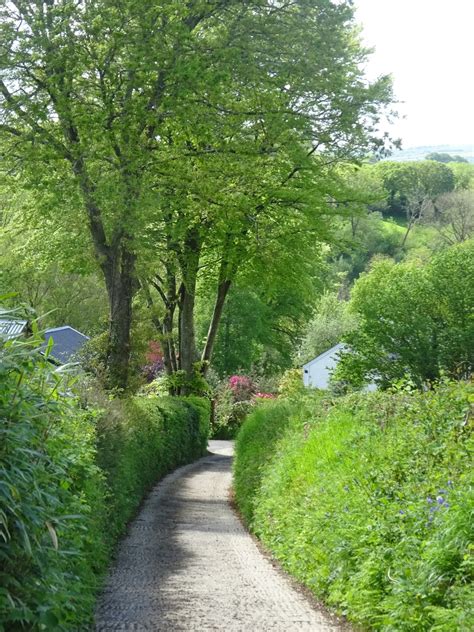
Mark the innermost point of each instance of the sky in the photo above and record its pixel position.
(428, 47)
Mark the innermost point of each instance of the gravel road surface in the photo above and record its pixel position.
(187, 564)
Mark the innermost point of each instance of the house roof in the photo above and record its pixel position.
(322, 356)
(10, 328)
(66, 343)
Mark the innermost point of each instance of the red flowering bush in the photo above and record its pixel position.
(154, 352)
(155, 364)
(264, 396)
(234, 399)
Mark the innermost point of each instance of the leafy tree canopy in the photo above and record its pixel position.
(330, 322)
(415, 320)
(178, 131)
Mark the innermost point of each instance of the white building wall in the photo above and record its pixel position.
(316, 374)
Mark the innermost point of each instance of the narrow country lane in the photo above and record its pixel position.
(188, 564)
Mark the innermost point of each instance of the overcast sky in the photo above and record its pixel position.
(428, 47)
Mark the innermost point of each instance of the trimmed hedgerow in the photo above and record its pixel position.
(368, 500)
(71, 480)
(140, 440)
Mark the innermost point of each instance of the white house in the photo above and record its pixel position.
(317, 372)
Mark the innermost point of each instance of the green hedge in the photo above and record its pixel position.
(140, 440)
(70, 481)
(368, 500)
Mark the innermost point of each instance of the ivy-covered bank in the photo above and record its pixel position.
(369, 501)
(72, 477)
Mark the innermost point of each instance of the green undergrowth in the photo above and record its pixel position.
(71, 478)
(368, 500)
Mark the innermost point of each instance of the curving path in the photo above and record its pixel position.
(187, 564)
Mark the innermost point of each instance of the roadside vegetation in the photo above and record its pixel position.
(73, 474)
(204, 189)
(368, 500)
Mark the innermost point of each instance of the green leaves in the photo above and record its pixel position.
(72, 478)
(368, 500)
(415, 320)
(150, 121)
(46, 457)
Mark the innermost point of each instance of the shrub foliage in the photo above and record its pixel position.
(71, 479)
(369, 501)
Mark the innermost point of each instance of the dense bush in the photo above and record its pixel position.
(369, 501)
(52, 493)
(71, 479)
(233, 400)
(415, 320)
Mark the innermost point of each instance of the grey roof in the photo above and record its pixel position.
(66, 343)
(10, 328)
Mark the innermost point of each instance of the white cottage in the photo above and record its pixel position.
(317, 372)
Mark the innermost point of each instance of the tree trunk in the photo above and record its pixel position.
(118, 266)
(189, 262)
(119, 274)
(407, 232)
(222, 292)
(168, 321)
(187, 343)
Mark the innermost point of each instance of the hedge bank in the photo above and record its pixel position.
(368, 500)
(71, 479)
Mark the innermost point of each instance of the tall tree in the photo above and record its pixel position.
(453, 216)
(412, 186)
(415, 320)
(265, 178)
(170, 122)
(85, 88)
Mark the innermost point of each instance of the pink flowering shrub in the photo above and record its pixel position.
(234, 400)
(242, 388)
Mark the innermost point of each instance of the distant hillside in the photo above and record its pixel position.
(419, 153)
